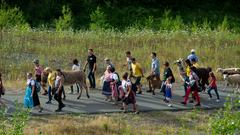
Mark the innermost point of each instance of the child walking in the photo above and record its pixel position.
(168, 92)
(213, 86)
(129, 95)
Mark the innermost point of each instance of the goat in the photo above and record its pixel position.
(233, 80)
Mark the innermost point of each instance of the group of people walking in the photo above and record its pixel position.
(116, 88)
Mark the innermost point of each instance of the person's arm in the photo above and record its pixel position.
(129, 89)
(60, 85)
(94, 67)
(33, 88)
(85, 65)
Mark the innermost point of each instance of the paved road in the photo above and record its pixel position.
(96, 103)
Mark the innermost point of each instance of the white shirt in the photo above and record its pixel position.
(114, 77)
(57, 81)
(125, 84)
(30, 81)
(76, 67)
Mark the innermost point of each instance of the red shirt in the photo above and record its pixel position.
(213, 82)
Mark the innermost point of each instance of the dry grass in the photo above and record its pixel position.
(155, 123)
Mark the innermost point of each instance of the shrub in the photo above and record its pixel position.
(98, 20)
(64, 22)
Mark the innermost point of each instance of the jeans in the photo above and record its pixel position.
(216, 91)
(91, 78)
(58, 98)
(49, 93)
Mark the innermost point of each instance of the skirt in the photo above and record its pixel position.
(130, 99)
(36, 101)
(106, 90)
(28, 101)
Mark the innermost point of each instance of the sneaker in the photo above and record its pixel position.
(169, 105)
(149, 91)
(217, 100)
(58, 110)
(198, 104)
(191, 101)
(40, 110)
(136, 112)
(139, 92)
(48, 102)
(184, 103)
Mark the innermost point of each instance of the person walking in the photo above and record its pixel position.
(192, 87)
(31, 83)
(76, 67)
(167, 74)
(51, 79)
(38, 73)
(2, 90)
(91, 62)
(155, 70)
(137, 73)
(213, 86)
(59, 90)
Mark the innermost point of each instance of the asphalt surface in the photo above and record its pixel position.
(96, 103)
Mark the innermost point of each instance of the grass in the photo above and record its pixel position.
(57, 49)
(154, 123)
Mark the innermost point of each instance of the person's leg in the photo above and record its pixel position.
(93, 80)
(49, 94)
(124, 107)
(187, 95)
(90, 79)
(197, 96)
(216, 91)
(209, 92)
(63, 92)
(71, 87)
(138, 83)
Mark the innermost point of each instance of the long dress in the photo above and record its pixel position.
(28, 100)
(106, 90)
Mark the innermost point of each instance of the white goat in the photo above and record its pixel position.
(229, 70)
(233, 80)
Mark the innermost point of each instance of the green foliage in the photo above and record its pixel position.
(64, 22)
(13, 125)
(98, 20)
(227, 120)
(169, 23)
(11, 17)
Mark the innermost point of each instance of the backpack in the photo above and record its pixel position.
(37, 86)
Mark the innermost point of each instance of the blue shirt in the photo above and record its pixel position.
(156, 66)
(192, 56)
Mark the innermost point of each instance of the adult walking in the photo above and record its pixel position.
(31, 83)
(38, 72)
(129, 61)
(167, 75)
(155, 70)
(76, 67)
(51, 79)
(137, 74)
(91, 62)
(59, 90)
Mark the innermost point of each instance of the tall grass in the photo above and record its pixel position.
(57, 49)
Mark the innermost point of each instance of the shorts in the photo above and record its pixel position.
(138, 81)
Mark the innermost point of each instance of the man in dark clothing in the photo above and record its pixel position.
(167, 74)
(91, 62)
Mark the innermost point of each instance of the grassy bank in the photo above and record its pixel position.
(57, 49)
(155, 123)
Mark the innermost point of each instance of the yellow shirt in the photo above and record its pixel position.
(51, 78)
(136, 68)
(188, 71)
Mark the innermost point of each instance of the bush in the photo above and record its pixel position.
(11, 17)
(64, 22)
(227, 120)
(98, 20)
(13, 125)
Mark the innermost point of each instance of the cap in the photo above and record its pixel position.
(192, 50)
(47, 69)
